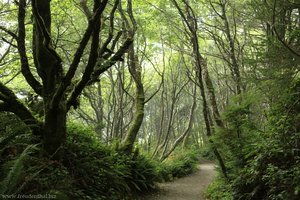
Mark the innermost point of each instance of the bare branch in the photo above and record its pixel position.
(106, 65)
(285, 44)
(182, 15)
(213, 7)
(6, 52)
(158, 89)
(9, 32)
(10, 43)
(104, 48)
(12, 78)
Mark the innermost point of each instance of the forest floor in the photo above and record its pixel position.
(187, 188)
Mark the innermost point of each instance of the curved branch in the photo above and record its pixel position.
(12, 104)
(79, 52)
(182, 15)
(92, 60)
(35, 85)
(86, 10)
(118, 56)
(104, 48)
(9, 32)
(97, 72)
(154, 93)
(285, 44)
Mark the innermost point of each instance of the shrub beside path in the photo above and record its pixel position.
(187, 188)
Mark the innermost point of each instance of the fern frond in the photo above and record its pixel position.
(9, 183)
(5, 141)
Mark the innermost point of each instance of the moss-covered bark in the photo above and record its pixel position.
(137, 121)
(135, 70)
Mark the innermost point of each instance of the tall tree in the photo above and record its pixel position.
(135, 70)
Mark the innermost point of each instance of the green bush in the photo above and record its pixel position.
(273, 172)
(219, 189)
(207, 153)
(88, 168)
(180, 163)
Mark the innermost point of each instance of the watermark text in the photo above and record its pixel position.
(28, 196)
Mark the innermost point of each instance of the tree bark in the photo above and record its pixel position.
(135, 70)
(161, 121)
(212, 96)
(12, 104)
(50, 70)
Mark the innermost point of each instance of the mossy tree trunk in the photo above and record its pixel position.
(135, 70)
(132, 133)
(49, 67)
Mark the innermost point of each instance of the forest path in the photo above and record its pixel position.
(186, 188)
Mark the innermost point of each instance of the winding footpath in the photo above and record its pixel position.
(187, 188)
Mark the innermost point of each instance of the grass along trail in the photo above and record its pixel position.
(187, 188)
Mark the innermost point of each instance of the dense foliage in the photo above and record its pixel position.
(263, 164)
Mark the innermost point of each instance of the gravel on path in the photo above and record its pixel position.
(188, 188)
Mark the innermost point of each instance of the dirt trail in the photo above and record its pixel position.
(187, 188)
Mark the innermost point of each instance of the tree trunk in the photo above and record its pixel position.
(136, 71)
(139, 109)
(54, 128)
(170, 122)
(212, 96)
(235, 68)
(190, 21)
(188, 129)
(161, 121)
(55, 86)
(50, 70)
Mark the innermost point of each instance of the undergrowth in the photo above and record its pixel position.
(262, 165)
(219, 189)
(87, 170)
(180, 163)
